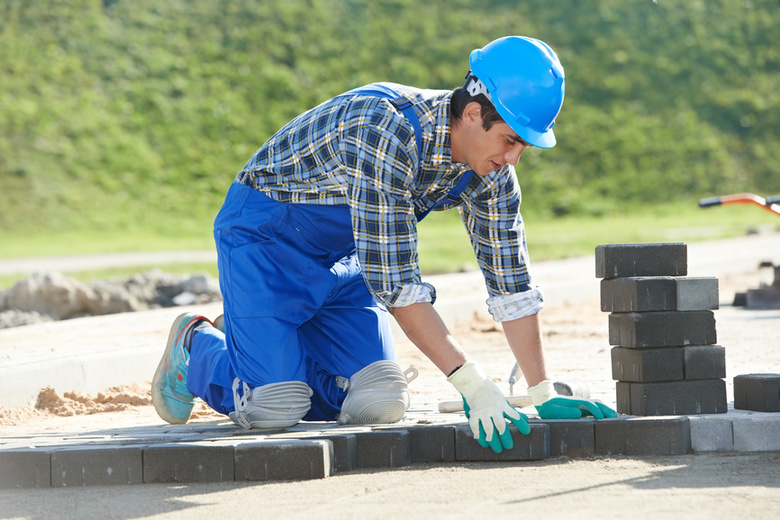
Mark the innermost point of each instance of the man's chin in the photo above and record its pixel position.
(485, 170)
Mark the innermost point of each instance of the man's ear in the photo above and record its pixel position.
(472, 112)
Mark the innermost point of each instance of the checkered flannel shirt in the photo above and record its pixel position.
(359, 150)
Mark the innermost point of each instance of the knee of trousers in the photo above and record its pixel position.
(276, 405)
(378, 393)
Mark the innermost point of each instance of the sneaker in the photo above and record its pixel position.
(170, 396)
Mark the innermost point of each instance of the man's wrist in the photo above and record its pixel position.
(542, 392)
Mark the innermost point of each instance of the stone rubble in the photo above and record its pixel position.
(53, 296)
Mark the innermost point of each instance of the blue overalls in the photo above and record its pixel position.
(296, 307)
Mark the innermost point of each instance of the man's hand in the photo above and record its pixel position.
(550, 405)
(486, 408)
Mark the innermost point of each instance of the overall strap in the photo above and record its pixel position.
(407, 108)
(401, 103)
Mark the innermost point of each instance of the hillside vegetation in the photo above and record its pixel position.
(120, 115)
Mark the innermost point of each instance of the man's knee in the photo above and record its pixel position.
(377, 393)
(276, 405)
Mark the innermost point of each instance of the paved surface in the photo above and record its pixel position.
(92, 354)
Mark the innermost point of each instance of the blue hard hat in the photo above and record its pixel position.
(524, 80)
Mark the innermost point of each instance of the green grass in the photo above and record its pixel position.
(443, 244)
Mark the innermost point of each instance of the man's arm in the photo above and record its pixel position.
(425, 328)
(525, 339)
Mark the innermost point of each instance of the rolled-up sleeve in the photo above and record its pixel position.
(497, 235)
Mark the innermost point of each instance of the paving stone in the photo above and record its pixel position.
(383, 449)
(705, 396)
(295, 459)
(188, 463)
(643, 436)
(25, 468)
(432, 443)
(662, 329)
(645, 365)
(757, 433)
(659, 293)
(344, 451)
(711, 433)
(704, 362)
(571, 437)
(534, 446)
(97, 466)
(758, 392)
(658, 259)
(656, 364)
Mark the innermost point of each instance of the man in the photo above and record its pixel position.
(317, 242)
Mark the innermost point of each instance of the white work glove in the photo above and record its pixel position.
(550, 405)
(486, 408)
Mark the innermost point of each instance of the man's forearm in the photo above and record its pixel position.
(425, 328)
(525, 339)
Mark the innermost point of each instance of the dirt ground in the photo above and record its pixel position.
(713, 485)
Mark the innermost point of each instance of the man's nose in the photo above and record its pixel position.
(513, 155)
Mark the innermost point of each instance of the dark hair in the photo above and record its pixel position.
(461, 98)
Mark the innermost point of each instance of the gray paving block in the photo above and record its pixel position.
(432, 443)
(643, 436)
(188, 463)
(294, 459)
(758, 392)
(97, 466)
(25, 468)
(623, 397)
(344, 451)
(644, 365)
(705, 362)
(571, 437)
(534, 446)
(711, 433)
(659, 293)
(654, 259)
(662, 329)
(705, 396)
(757, 433)
(383, 449)
(657, 364)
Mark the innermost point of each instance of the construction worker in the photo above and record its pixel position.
(317, 243)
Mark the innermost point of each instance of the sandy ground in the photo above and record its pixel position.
(721, 485)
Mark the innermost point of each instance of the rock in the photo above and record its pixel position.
(54, 296)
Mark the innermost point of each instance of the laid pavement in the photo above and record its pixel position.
(93, 354)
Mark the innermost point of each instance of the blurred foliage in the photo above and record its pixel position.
(117, 115)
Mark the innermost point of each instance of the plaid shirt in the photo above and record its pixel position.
(359, 150)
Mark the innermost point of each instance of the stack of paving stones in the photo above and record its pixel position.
(662, 324)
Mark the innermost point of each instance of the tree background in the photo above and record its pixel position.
(120, 114)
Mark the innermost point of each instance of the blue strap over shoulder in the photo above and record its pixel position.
(407, 109)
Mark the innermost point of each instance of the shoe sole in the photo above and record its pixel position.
(159, 402)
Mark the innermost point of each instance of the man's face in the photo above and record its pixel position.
(487, 150)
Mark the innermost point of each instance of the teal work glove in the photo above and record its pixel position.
(550, 405)
(487, 409)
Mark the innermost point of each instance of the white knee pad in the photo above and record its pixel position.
(377, 393)
(277, 405)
